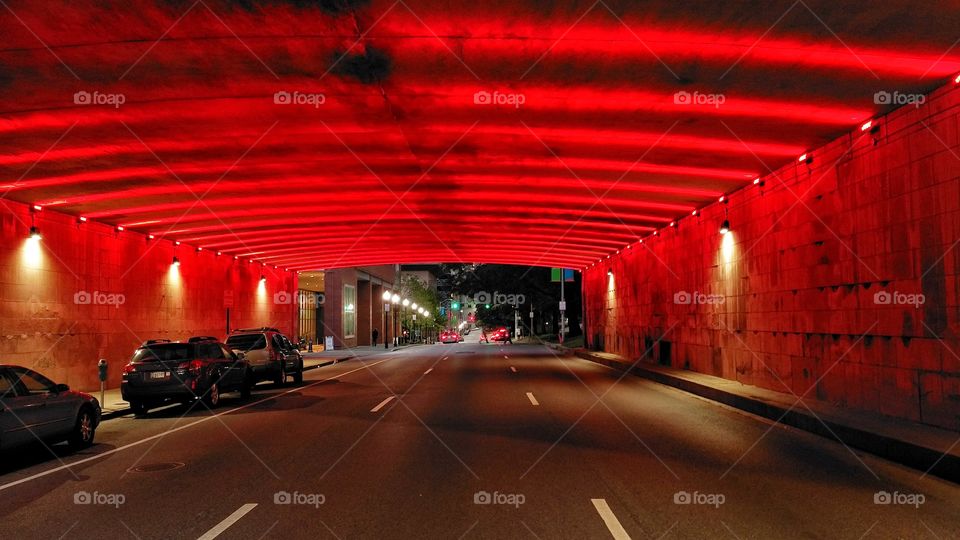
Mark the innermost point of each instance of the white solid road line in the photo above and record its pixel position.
(513, 369)
(174, 430)
(428, 371)
(611, 521)
(225, 524)
(532, 399)
(382, 404)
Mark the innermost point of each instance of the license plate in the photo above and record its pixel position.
(160, 375)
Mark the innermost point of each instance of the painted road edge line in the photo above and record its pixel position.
(178, 428)
(382, 404)
(227, 523)
(610, 520)
(533, 399)
(428, 371)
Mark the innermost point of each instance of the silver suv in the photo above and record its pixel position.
(272, 357)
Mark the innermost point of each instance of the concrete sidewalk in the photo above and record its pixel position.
(114, 406)
(929, 449)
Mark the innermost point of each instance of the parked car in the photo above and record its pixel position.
(450, 336)
(271, 355)
(32, 408)
(163, 371)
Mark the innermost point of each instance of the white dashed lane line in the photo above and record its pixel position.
(532, 399)
(382, 404)
(513, 369)
(610, 520)
(427, 371)
(227, 523)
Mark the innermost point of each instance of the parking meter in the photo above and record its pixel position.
(102, 369)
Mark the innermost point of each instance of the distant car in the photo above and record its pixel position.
(450, 336)
(499, 335)
(271, 355)
(164, 371)
(32, 408)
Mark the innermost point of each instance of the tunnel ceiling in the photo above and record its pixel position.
(585, 148)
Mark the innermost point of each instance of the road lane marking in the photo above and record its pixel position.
(506, 357)
(513, 369)
(611, 521)
(427, 371)
(225, 524)
(179, 428)
(382, 404)
(532, 399)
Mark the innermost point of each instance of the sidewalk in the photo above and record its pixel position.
(114, 406)
(929, 449)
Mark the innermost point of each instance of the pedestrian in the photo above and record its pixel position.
(376, 335)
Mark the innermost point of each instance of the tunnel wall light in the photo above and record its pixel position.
(263, 278)
(725, 227)
(35, 233)
(176, 261)
(866, 125)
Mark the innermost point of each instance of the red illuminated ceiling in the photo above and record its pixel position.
(399, 164)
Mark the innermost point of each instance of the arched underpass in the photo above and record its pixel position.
(761, 203)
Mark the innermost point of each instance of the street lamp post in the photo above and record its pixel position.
(386, 315)
(395, 300)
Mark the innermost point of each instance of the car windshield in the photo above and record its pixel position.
(247, 342)
(164, 352)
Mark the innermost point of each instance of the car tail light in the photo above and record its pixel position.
(193, 367)
(129, 368)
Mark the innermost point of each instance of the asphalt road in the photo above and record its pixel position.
(405, 444)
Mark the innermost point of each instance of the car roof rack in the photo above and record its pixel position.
(198, 339)
(155, 342)
(260, 329)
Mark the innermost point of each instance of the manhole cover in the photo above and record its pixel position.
(156, 467)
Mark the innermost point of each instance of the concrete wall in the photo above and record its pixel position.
(797, 280)
(48, 323)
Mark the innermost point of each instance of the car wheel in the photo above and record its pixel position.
(212, 396)
(247, 387)
(298, 376)
(281, 377)
(139, 408)
(84, 430)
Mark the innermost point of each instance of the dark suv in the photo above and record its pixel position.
(271, 355)
(162, 371)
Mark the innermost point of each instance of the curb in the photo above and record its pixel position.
(913, 455)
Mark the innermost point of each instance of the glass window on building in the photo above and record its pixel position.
(349, 311)
(308, 315)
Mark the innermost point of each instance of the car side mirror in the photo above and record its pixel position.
(240, 355)
(60, 388)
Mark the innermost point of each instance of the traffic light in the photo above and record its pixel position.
(456, 305)
(487, 306)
